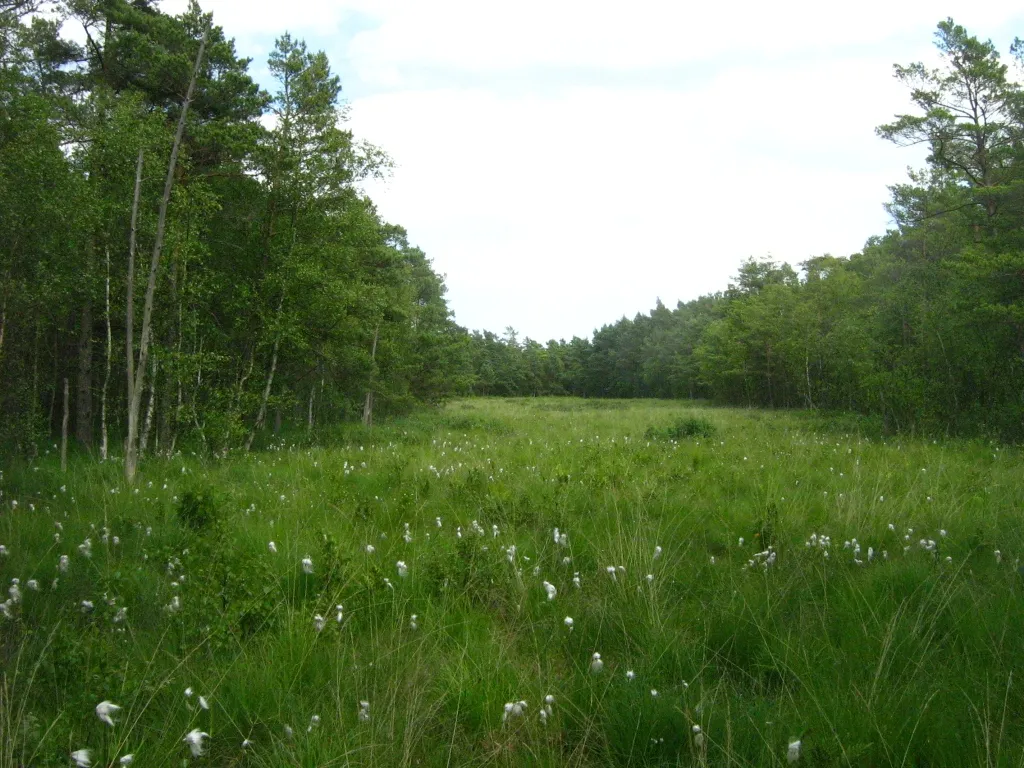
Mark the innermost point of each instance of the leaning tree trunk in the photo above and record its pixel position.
(262, 415)
(135, 384)
(64, 429)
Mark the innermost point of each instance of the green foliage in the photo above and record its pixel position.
(199, 509)
(690, 425)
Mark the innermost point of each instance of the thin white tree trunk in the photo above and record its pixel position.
(106, 378)
(368, 402)
(309, 417)
(64, 429)
(262, 415)
(129, 317)
(150, 408)
(135, 387)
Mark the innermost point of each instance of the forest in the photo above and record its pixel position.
(189, 258)
(186, 256)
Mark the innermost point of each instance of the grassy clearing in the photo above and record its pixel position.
(896, 649)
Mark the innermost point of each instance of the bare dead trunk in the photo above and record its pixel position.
(106, 376)
(64, 428)
(135, 388)
(368, 402)
(83, 398)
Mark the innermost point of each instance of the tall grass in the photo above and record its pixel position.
(744, 626)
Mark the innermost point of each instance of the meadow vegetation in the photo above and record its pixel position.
(737, 581)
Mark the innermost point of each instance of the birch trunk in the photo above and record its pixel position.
(150, 408)
(106, 376)
(262, 415)
(83, 397)
(64, 429)
(135, 386)
(368, 403)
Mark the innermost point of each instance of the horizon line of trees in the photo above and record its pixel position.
(924, 328)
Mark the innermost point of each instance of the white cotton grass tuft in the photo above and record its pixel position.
(272, 547)
(793, 752)
(194, 739)
(596, 665)
(364, 711)
(307, 565)
(657, 552)
(82, 758)
(106, 710)
(403, 569)
(698, 736)
(203, 703)
(319, 622)
(513, 709)
(630, 675)
(370, 549)
(413, 623)
(550, 589)
(126, 759)
(568, 622)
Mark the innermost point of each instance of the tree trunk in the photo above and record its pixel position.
(129, 321)
(64, 429)
(135, 387)
(106, 376)
(368, 402)
(3, 325)
(150, 408)
(262, 415)
(83, 398)
(309, 415)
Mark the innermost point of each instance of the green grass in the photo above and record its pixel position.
(904, 661)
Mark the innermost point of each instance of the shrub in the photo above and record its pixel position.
(198, 509)
(688, 426)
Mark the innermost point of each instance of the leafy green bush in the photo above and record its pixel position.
(198, 509)
(687, 426)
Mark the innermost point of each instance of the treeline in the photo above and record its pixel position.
(188, 255)
(923, 329)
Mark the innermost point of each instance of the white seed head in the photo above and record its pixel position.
(194, 739)
(793, 752)
(105, 711)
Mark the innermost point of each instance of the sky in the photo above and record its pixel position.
(565, 163)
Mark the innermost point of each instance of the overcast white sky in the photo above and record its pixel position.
(565, 163)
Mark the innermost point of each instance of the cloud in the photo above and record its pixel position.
(564, 163)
